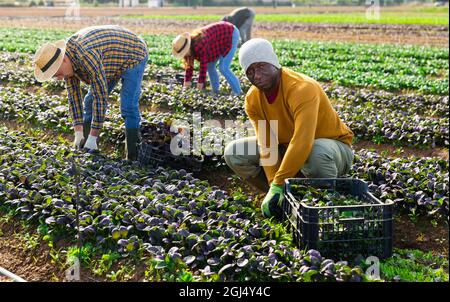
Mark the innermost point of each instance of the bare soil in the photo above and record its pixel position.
(222, 10)
(421, 235)
(393, 151)
(5, 279)
(31, 265)
(34, 264)
(360, 33)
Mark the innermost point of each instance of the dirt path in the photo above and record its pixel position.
(421, 235)
(34, 263)
(31, 265)
(397, 151)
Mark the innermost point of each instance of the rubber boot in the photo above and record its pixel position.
(259, 182)
(86, 131)
(131, 143)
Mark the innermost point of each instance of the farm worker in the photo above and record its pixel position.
(242, 18)
(99, 56)
(216, 42)
(310, 138)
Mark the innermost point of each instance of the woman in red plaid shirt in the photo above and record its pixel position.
(216, 42)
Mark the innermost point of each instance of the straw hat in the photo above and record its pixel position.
(48, 59)
(181, 45)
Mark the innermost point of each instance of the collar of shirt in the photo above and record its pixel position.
(76, 65)
(272, 97)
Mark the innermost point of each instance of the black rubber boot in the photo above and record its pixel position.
(86, 131)
(131, 143)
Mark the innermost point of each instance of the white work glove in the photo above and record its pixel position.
(78, 138)
(91, 143)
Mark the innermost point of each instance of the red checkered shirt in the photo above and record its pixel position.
(216, 42)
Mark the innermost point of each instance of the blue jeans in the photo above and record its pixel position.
(129, 96)
(224, 68)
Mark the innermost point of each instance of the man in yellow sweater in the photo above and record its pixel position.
(310, 139)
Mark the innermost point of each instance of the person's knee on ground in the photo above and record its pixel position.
(320, 163)
(245, 165)
(329, 159)
(239, 161)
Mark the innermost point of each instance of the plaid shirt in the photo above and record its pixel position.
(216, 42)
(99, 55)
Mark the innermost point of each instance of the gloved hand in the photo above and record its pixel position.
(91, 143)
(78, 138)
(271, 205)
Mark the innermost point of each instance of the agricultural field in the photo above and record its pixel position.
(426, 26)
(413, 15)
(388, 82)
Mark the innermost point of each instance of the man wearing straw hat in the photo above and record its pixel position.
(99, 56)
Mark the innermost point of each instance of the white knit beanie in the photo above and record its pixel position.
(257, 50)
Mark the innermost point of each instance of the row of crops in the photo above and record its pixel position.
(185, 228)
(415, 184)
(403, 122)
(372, 115)
(177, 218)
(179, 226)
(388, 67)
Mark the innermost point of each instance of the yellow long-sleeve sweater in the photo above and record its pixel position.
(304, 113)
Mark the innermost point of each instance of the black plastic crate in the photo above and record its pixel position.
(170, 78)
(342, 232)
(154, 148)
(173, 78)
(155, 155)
